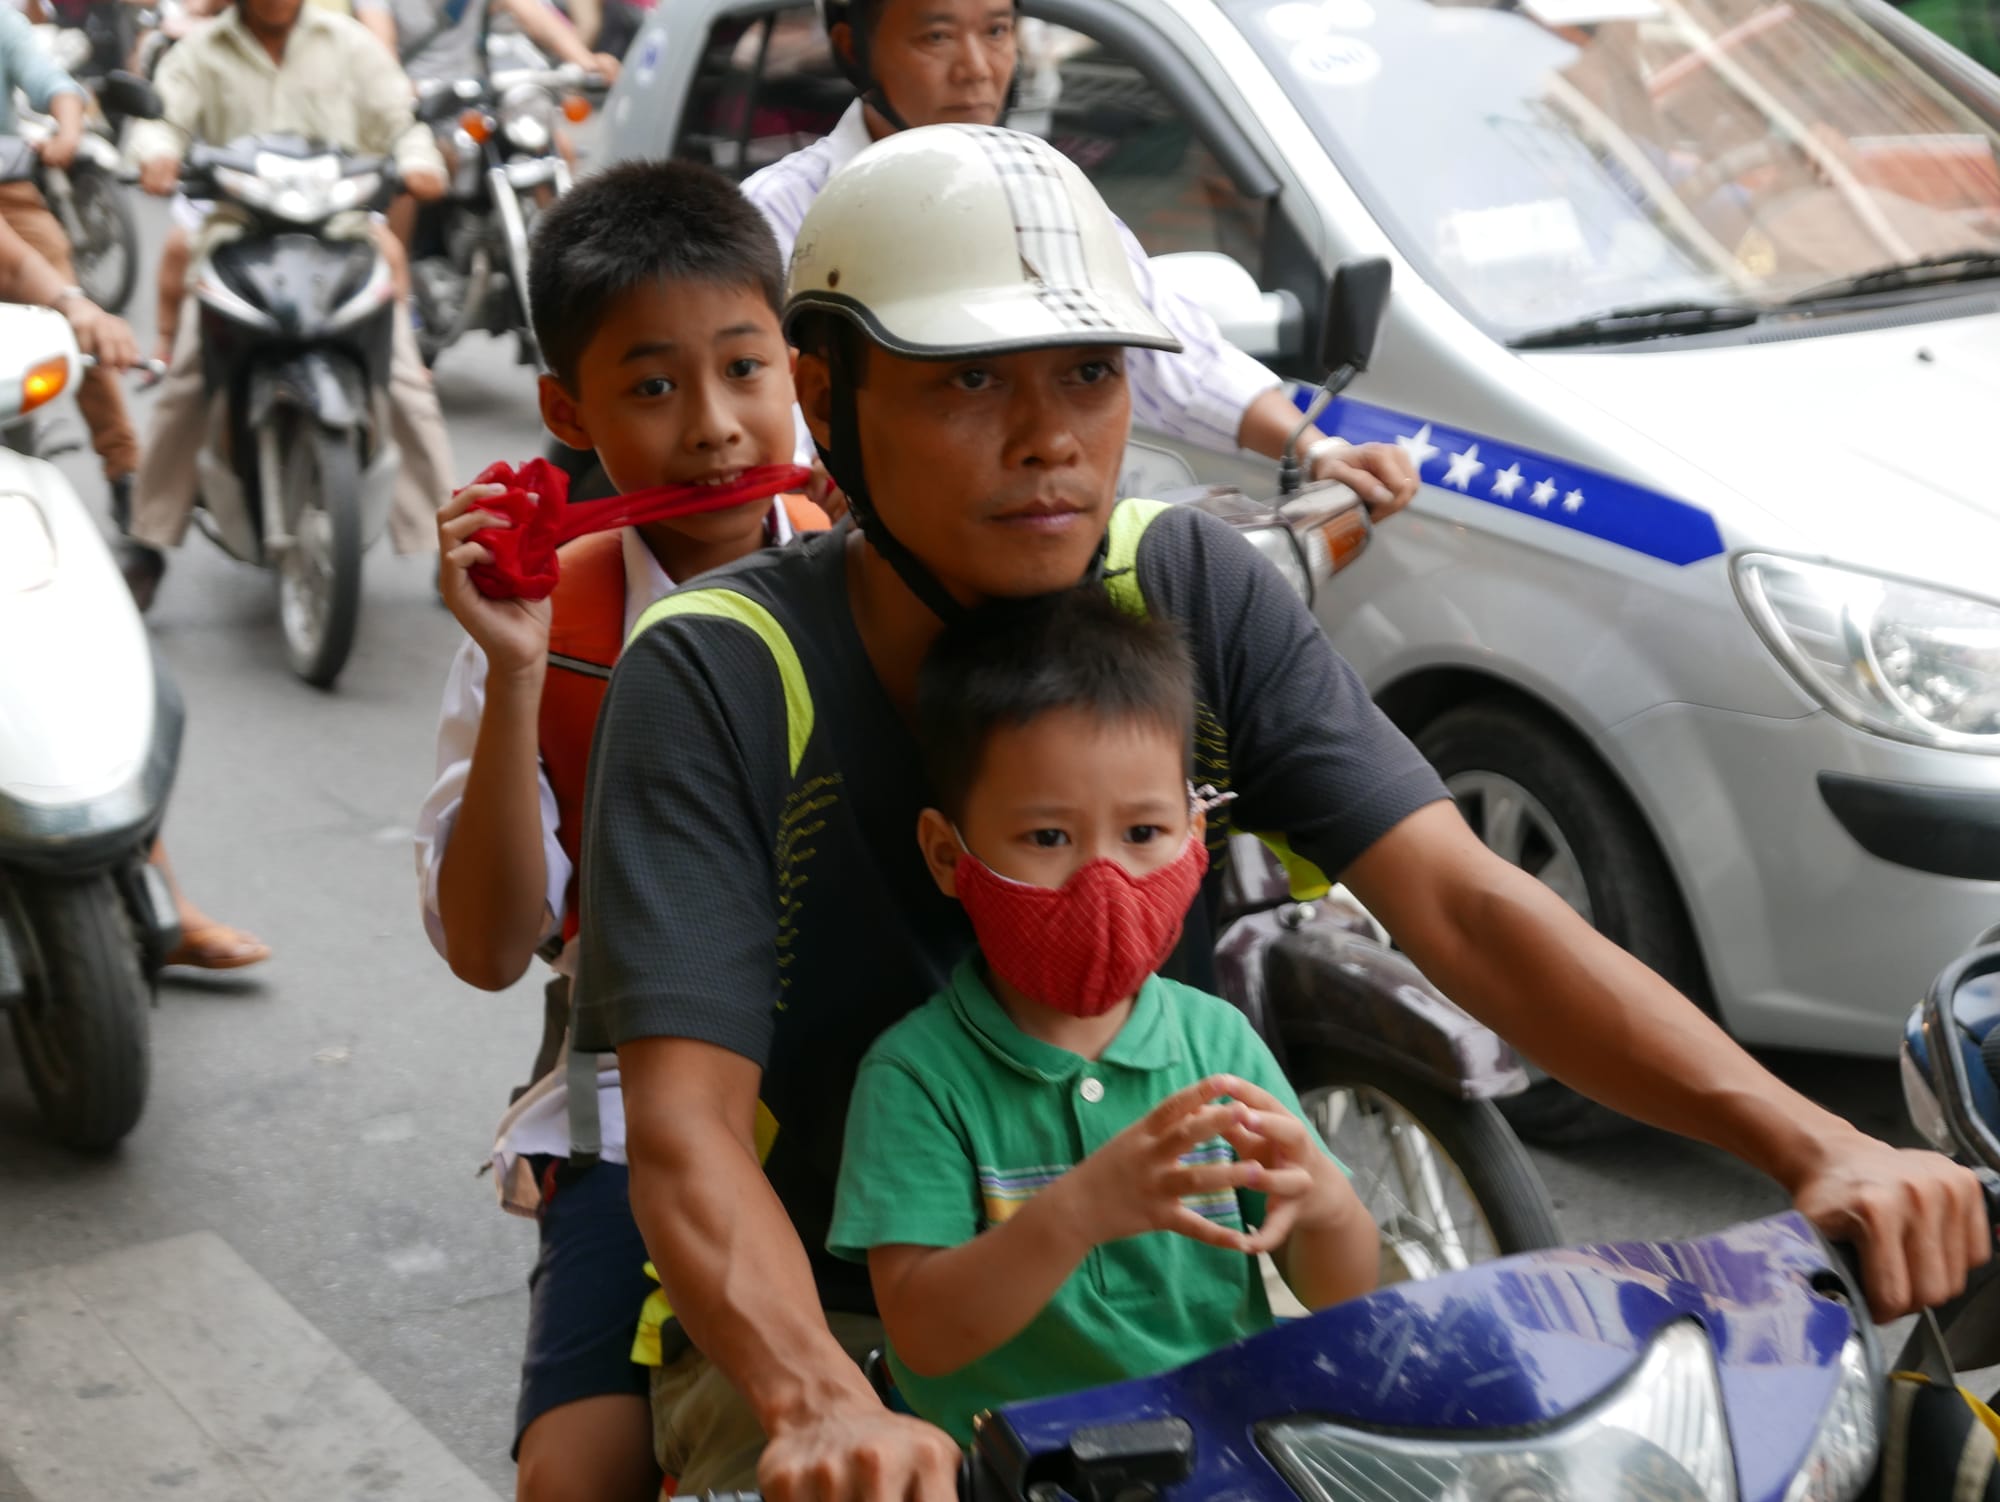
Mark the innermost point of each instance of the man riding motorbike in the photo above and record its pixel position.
(263, 67)
(946, 62)
(26, 65)
(758, 914)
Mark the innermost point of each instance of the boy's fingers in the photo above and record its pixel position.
(1279, 1218)
(472, 522)
(1250, 1093)
(1181, 1102)
(468, 555)
(1207, 1178)
(465, 499)
(1198, 1227)
(1195, 1127)
(1265, 1134)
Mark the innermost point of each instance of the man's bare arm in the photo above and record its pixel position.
(739, 1281)
(1515, 955)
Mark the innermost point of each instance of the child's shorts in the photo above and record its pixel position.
(584, 1295)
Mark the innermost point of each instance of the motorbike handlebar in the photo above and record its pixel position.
(964, 1488)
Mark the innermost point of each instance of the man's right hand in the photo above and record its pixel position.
(858, 1451)
(104, 337)
(160, 175)
(514, 634)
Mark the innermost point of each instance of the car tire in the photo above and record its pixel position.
(1542, 801)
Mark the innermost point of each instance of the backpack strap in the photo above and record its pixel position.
(727, 605)
(1129, 521)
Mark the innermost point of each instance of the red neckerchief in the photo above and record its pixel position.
(536, 501)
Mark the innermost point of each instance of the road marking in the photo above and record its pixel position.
(173, 1370)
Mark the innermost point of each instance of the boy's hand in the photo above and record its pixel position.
(1304, 1189)
(1135, 1182)
(514, 634)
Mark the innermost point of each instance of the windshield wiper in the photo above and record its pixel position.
(1641, 321)
(1930, 271)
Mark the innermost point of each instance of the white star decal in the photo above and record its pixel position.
(1507, 482)
(1419, 447)
(1543, 493)
(1464, 468)
(1573, 502)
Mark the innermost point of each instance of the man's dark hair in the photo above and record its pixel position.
(635, 223)
(1009, 665)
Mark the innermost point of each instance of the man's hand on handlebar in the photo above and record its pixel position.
(1380, 473)
(605, 64)
(858, 1451)
(59, 149)
(160, 175)
(106, 339)
(1917, 1220)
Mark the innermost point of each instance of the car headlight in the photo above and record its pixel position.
(1899, 659)
(1659, 1436)
(1842, 1456)
(27, 549)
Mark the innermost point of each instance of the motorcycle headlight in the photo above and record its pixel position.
(1842, 1456)
(1900, 659)
(245, 187)
(27, 550)
(71, 49)
(527, 118)
(1659, 1436)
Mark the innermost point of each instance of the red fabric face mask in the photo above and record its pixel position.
(537, 503)
(1086, 945)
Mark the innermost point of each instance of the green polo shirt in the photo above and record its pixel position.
(958, 1117)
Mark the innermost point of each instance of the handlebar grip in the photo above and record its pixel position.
(964, 1488)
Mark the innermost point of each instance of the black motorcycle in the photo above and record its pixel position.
(469, 256)
(296, 303)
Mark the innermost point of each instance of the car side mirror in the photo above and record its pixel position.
(131, 96)
(1354, 312)
(1264, 325)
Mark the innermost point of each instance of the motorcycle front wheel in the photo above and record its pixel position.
(1446, 1180)
(82, 1028)
(319, 575)
(104, 239)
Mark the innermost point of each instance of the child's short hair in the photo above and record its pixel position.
(634, 223)
(1009, 664)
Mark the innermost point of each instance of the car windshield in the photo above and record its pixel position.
(1555, 160)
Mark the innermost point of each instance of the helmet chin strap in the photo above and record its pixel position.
(842, 458)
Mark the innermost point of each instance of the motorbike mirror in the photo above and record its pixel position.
(1951, 1059)
(1354, 312)
(130, 95)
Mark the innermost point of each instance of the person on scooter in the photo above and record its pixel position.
(268, 66)
(26, 65)
(953, 62)
(656, 292)
(756, 917)
(1061, 1169)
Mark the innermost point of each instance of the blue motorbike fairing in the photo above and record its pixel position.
(1513, 1345)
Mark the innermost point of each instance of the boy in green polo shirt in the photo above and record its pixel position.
(1060, 1169)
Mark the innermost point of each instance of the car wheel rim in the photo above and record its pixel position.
(1518, 827)
(1429, 1218)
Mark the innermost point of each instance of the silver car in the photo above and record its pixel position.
(1696, 338)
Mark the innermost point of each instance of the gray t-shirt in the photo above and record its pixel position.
(441, 40)
(751, 876)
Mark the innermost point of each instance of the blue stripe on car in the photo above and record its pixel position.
(1565, 494)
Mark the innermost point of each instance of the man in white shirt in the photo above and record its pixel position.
(941, 62)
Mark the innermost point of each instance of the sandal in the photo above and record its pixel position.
(217, 946)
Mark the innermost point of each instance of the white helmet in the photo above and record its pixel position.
(955, 240)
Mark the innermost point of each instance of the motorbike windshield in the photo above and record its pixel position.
(1548, 162)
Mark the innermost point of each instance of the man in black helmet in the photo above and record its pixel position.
(952, 62)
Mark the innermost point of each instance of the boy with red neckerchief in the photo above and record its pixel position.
(655, 288)
(1060, 1169)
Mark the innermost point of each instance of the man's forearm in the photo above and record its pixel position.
(944, 1307)
(549, 31)
(66, 109)
(1267, 423)
(733, 1267)
(493, 875)
(1518, 958)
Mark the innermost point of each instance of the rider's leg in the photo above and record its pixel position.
(583, 1427)
(704, 1433)
(424, 481)
(174, 254)
(165, 496)
(100, 398)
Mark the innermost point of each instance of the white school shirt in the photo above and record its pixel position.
(539, 1121)
(1199, 395)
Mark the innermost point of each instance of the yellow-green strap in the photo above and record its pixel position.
(1129, 520)
(727, 605)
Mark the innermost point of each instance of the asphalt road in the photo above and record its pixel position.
(322, 1117)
